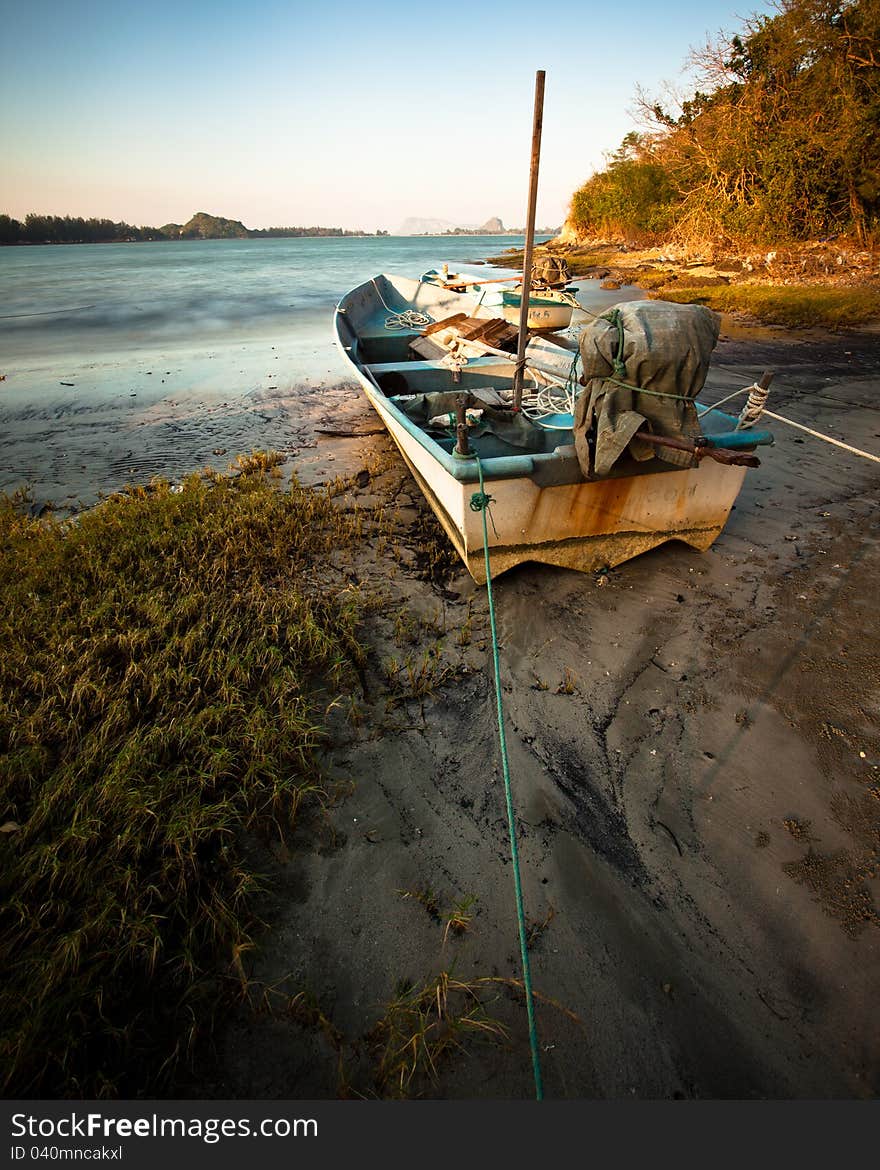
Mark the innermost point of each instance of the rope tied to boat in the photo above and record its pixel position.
(455, 359)
(645, 390)
(617, 362)
(480, 503)
(753, 408)
(791, 423)
(481, 500)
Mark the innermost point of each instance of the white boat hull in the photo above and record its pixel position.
(584, 526)
(542, 317)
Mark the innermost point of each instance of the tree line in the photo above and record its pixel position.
(68, 229)
(781, 142)
(296, 232)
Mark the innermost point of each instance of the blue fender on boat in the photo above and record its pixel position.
(737, 440)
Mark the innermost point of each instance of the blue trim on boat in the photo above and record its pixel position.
(465, 469)
(733, 439)
(738, 440)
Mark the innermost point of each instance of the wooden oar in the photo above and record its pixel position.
(728, 458)
(497, 280)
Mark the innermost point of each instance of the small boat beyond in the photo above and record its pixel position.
(549, 310)
(550, 307)
(607, 455)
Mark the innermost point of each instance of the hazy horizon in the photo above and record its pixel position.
(290, 116)
(181, 222)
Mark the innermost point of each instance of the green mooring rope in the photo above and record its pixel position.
(480, 503)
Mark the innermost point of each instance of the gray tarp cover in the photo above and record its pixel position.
(666, 348)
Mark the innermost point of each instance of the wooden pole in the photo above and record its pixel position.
(461, 429)
(530, 242)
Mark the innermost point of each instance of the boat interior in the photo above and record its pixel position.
(417, 385)
(425, 389)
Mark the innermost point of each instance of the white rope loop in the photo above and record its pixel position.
(406, 318)
(409, 319)
(753, 408)
(547, 401)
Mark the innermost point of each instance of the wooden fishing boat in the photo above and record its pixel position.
(550, 309)
(434, 366)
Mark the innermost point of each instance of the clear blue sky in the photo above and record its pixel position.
(336, 113)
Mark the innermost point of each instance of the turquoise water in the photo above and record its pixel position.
(124, 361)
(94, 299)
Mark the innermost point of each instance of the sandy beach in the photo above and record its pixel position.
(694, 753)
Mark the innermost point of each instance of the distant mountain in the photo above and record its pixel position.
(207, 227)
(420, 226)
(492, 227)
(425, 226)
(214, 227)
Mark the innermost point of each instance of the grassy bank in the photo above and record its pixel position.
(168, 663)
(794, 306)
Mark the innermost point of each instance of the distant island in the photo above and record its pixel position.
(67, 229)
(416, 226)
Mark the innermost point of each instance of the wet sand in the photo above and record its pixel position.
(74, 428)
(695, 763)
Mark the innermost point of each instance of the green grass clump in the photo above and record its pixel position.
(423, 1027)
(167, 663)
(509, 258)
(795, 306)
(583, 262)
(647, 277)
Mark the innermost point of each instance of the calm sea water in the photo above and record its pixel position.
(94, 299)
(123, 361)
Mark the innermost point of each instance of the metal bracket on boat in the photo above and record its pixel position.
(462, 449)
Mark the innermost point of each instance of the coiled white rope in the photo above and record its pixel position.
(547, 401)
(753, 408)
(405, 319)
(554, 398)
(409, 319)
(542, 400)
